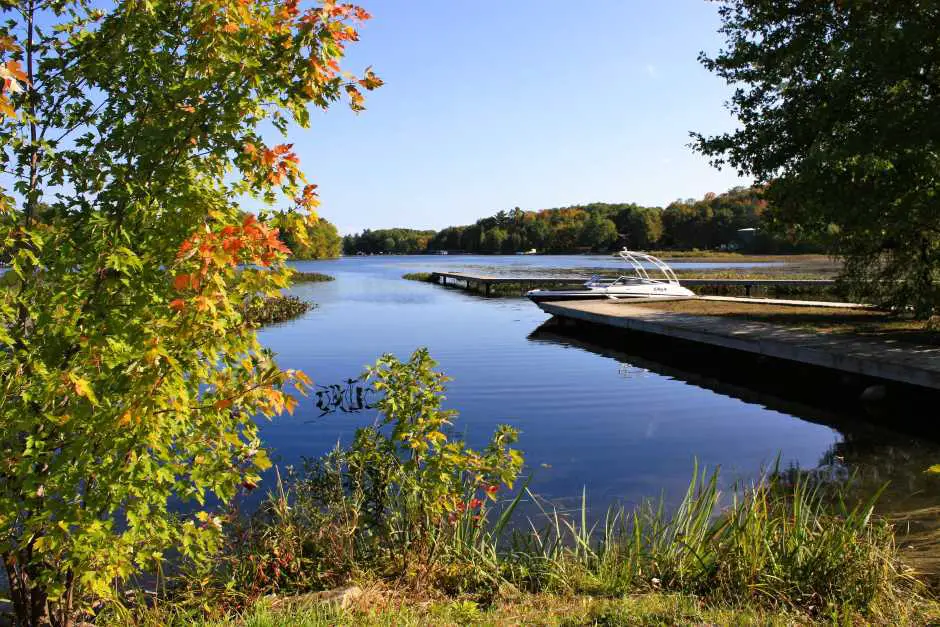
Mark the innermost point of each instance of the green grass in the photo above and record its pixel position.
(310, 277)
(541, 609)
(418, 276)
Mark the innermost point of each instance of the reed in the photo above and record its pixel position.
(777, 545)
(310, 277)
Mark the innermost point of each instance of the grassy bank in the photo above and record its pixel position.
(781, 553)
(383, 608)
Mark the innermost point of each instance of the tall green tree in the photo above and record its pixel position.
(312, 237)
(599, 233)
(127, 375)
(839, 111)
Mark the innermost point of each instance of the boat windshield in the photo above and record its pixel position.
(641, 262)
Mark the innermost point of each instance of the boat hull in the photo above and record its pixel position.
(542, 296)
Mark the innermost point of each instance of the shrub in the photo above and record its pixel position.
(393, 503)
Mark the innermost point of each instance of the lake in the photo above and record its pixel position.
(624, 427)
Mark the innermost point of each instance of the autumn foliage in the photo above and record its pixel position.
(129, 378)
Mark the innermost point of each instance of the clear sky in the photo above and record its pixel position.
(494, 104)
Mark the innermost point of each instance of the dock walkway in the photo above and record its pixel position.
(483, 282)
(884, 359)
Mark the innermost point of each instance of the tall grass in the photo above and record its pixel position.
(794, 545)
(782, 545)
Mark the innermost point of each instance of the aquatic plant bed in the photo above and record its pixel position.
(311, 277)
(858, 341)
(274, 309)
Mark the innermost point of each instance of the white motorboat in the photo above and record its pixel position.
(663, 283)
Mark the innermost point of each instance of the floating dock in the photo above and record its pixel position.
(483, 283)
(889, 360)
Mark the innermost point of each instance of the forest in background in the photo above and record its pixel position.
(714, 222)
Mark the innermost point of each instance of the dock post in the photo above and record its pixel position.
(486, 288)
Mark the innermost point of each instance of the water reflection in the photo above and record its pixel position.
(868, 456)
(352, 395)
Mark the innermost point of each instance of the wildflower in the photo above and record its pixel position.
(492, 489)
(474, 503)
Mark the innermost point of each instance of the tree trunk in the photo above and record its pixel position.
(30, 600)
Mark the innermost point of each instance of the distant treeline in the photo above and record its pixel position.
(385, 241)
(713, 223)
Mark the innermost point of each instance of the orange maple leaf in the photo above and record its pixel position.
(13, 67)
(181, 282)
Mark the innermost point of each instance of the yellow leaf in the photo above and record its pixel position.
(262, 462)
(82, 388)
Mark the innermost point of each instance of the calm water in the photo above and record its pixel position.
(621, 426)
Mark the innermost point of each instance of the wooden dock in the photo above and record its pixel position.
(482, 283)
(888, 360)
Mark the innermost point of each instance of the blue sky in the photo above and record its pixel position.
(490, 105)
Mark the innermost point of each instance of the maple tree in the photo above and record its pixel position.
(319, 238)
(128, 378)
